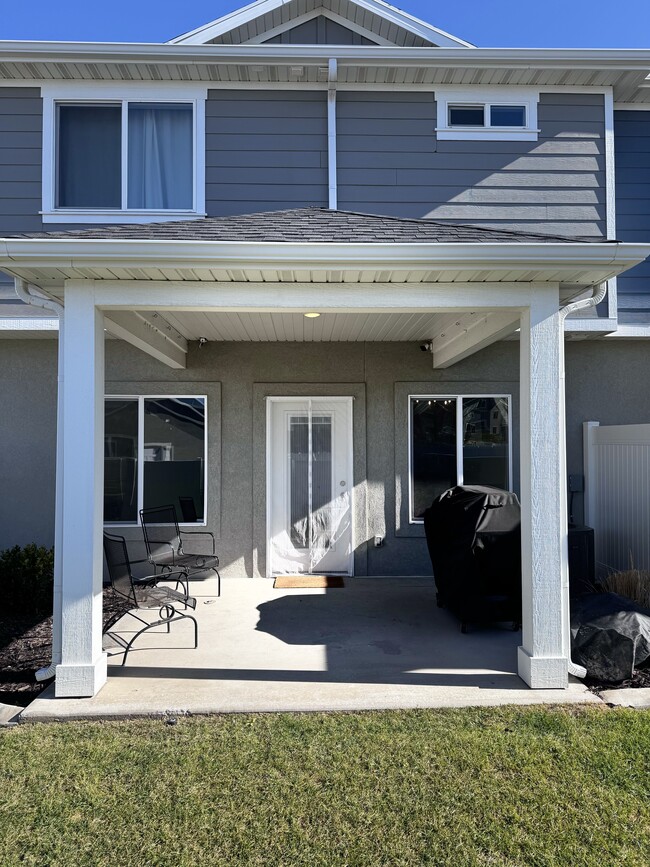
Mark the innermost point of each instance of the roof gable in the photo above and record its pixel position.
(375, 21)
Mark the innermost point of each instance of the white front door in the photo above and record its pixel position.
(309, 485)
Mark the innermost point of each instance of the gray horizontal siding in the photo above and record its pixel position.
(265, 150)
(319, 31)
(21, 124)
(632, 143)
(390, 162)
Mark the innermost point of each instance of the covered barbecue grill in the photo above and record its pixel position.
(474, 538)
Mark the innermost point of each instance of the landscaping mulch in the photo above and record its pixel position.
(26, 646)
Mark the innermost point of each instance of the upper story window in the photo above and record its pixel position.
(475, 115)
(109, 159)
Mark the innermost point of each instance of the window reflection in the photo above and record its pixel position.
(174, 452)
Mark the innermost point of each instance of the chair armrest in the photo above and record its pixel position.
(206, 533)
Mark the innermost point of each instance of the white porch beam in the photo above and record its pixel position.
(320, 297)
(543, 658)
(473, 332)
(82, 670)
(146, 333)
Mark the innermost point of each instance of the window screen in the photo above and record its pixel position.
(89, 156)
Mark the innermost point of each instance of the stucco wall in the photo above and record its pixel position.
(236, 376)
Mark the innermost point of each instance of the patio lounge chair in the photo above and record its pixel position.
(168, 547)
(142, 593)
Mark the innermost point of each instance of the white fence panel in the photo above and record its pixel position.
(617, 493)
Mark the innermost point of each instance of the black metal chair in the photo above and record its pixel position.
(167, 545)
(142, 593)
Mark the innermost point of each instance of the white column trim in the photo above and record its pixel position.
(82, 669)
(543, 657)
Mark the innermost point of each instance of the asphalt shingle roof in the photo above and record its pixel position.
(309, 225)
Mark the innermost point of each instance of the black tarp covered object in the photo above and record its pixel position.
(474, 538)
(610, 635)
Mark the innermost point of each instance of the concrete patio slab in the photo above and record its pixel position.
(375, 644)
(638, 697)
(9, 714)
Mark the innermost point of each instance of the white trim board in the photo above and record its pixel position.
(261, 38)
(207, 32)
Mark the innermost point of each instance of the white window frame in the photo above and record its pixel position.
(477, 96)
(140, 398)
(111, 93)
(460, 469)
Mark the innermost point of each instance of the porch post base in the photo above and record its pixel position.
(80, 681)
(543, 672)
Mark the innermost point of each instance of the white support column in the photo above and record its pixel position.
(544, 654)
(82, 670)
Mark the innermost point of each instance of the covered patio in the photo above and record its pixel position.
(377, 643)
(463, 288)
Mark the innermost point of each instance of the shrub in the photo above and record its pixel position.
(633, 583)
(26, 579)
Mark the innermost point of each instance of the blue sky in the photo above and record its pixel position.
(550, 23)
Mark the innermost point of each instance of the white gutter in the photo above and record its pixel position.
(25, 294)
(72, 252)
(18, 51)
(587, 303)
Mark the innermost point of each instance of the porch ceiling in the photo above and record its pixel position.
(328, 327)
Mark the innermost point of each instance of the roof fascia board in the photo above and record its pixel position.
(207, 32)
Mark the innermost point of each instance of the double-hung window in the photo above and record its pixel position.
(110, 159)
(456, 440)
(154, 455)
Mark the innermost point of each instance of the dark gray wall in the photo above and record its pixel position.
(27, 441)
(21, 135)
(632, 142)
(319, 31)
(266, 150)
(236, 378)
(389, 162)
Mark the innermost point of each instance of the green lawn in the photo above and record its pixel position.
(501, 786)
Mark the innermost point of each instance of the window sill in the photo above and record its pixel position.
(75, 215)
(486, 134)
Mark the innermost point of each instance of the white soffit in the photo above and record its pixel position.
(252, 22)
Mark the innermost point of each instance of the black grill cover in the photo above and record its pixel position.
(474, 539)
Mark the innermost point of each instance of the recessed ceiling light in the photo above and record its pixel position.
(311, 315)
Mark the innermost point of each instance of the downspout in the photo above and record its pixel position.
(585, 304)
(332, 78)
(24, 292)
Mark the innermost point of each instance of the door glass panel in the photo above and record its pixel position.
(310, 481)
(485, 441)
(299, 480)
(174, 452)
(120, 460)
(433, 445)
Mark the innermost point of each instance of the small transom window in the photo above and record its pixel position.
(479, 114)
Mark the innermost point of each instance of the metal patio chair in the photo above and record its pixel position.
(142, 593)
(168, 547)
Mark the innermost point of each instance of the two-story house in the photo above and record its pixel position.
(310, 265)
